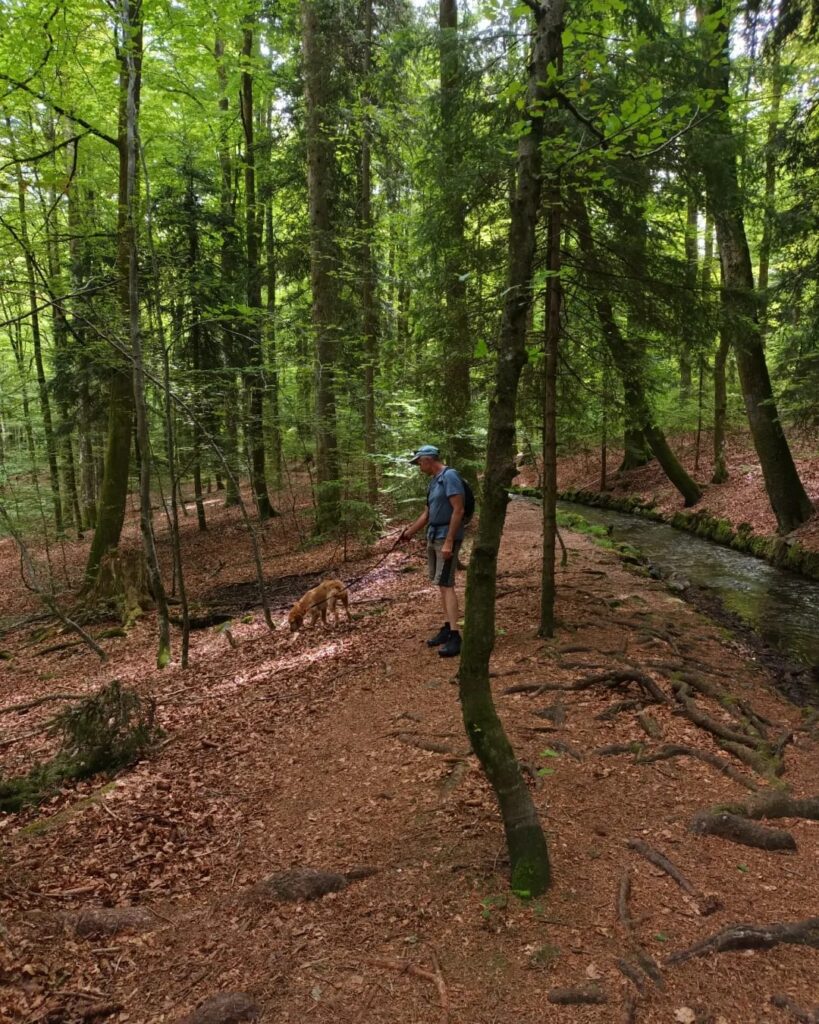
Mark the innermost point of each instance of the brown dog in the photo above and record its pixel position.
(317, 602)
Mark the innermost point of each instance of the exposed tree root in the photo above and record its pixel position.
(740, 830)
(553, 713)
(566, 748)
(763, 763)
(613, 749)
(753, 936)
(611, 679)
(99, 1010)
(705, 904)
(700, 718)
(623, 912)
(775, 804)
(726, 700)
(455, 777)
(618, 678)
(641, 756)
(650, 726)
(800, 1015)
(204, 621)
(680, 750)
(630, 971)
(630, 1008)
(530, 688)
(633, 704)
(749, 747)
(423, 743)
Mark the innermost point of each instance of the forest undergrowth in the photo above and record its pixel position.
(312, 840)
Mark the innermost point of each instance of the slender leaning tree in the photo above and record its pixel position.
(528, 853)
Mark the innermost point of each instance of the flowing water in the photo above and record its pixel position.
(780, 606)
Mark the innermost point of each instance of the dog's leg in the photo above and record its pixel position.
(345, 600)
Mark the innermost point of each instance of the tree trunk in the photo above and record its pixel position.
(195, 338)
(636, 449)
(524, 836)
(687, 343)
(228, 259)
(551, 342)
(131, 28)
(626, 359)
(42, 386)
(369, 308)
(80, 272)
(720, 474)
(271, 356)
(317, 27)
(769, 202)
(254, 375)
(790, 503)
(114, 488)
(457, 346)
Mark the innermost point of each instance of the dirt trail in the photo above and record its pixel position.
(303, 751)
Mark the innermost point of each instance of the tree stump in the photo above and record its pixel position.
(123, 584)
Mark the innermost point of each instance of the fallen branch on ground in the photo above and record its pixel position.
(435, 977)
(753, 936)
(29, 704)
(647, 963)
(591, 995)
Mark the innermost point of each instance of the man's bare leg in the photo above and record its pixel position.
(449, 602)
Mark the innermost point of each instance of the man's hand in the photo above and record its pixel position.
(446, 550)
(403, 537)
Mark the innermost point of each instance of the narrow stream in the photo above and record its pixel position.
(781, 607)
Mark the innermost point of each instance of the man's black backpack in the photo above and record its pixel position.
(469, 496)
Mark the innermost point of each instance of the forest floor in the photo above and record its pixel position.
(345, 749)
(741, 499)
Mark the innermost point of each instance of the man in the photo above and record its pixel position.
(443, 518)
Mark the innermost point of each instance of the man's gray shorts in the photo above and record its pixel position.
(441, 572)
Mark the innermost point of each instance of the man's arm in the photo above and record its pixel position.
(457, 503)
(419, 524)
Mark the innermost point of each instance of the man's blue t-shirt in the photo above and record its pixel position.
(441, 488)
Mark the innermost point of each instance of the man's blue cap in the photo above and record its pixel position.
(426, 450)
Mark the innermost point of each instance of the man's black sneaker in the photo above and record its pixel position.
(441, 637)
(452, 648)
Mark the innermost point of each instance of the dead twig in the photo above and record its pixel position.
(435, 977)
(647, 964)
(29, 704)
